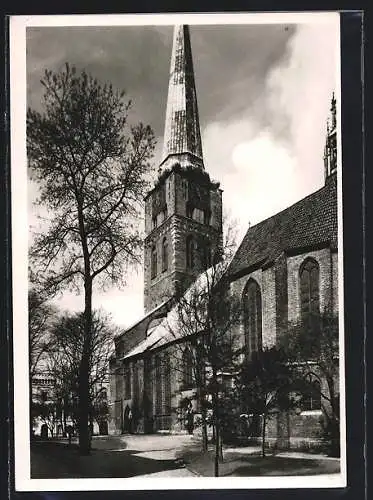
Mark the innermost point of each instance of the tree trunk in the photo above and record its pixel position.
(221, 458)
(217, 449)
(215, 409)
(264, 434)
(64, 425)
(84, 406)
(204, 432)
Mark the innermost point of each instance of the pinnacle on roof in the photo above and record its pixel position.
(182, 133)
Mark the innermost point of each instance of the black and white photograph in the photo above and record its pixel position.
(177, 251)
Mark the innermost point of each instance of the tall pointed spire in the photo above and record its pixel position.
(182, 135)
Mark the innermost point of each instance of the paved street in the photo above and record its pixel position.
(160, 455)
(113, 456)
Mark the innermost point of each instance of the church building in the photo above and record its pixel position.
(285, 266)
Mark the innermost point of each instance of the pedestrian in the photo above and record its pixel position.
(69, 431)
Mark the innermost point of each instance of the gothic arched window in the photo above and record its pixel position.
(187, 363)
(164, 254)
(154, 262)
(310, 293)
(252, 313)
(206, 257)
(127, 382)
(162, 381)
(157, 381)
(136, 385)
(190, 257)
(311, 398)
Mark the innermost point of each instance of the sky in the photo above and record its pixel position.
(263, 93)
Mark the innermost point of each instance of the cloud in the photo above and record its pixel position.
(267, 161)
(263, 95)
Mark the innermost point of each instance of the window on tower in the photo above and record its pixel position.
(190, 252)
(164, 254)
(154, 262)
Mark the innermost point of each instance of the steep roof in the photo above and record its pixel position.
(310, 222)
(182, 131)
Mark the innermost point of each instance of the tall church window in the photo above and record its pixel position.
(311, 398)
(136, 384)
(154, 262)
(164, 254)
(252, 313)
(206, 254)
(187, 363)
(127, 382)
(162, 384)
(190, 252)
(157, 382)
(310, 293)
(166, 383)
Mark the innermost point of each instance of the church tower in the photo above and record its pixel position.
(330, 151)
(183, 212)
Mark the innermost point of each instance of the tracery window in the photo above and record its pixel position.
(252, 314)
(127, 382)
(310, 294)
(187, 363)
(311, 398)
(162, 382)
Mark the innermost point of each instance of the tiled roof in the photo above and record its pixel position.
(310, 222)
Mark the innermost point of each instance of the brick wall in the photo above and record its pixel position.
(176, 228)
(281, 291)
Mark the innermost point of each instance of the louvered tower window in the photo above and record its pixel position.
(190, 256)
(164, 255)
(154, 262)
(252, 311)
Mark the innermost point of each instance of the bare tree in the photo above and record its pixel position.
(204, 320)
(68, 340)
(312, 346)
(40, 316)
(263, 386)
(91, 168)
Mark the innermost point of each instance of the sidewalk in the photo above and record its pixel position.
(248, 462)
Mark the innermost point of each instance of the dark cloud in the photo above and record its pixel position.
(231, 63)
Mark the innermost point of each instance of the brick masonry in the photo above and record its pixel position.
(176, 228)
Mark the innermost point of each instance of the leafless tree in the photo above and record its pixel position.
(40, 316)
(91, 167)
(205, 320)
(313, 347)
(64, 360)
